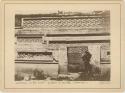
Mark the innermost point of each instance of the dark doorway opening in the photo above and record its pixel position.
(75, 62)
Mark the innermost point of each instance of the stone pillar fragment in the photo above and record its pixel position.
(63, 63)
(95, 51)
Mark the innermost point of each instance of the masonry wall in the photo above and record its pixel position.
(94, 49)
(37, 36)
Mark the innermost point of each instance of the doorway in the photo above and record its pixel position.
(74, 54)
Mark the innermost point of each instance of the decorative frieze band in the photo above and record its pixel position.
(95, 22)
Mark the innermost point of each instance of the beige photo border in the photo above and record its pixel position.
(9, 36)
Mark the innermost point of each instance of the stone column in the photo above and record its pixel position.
(63, 63)
(95, 51)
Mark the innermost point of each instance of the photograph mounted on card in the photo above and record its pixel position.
(62, 45)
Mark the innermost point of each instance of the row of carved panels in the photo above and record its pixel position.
(33, 56)
(89, 22)
(104, 53)
(30, 40)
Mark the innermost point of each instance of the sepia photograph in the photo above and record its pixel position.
(63, 46)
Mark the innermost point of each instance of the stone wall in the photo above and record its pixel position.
(55, 34)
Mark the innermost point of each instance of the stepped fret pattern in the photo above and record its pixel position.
(57, 23)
